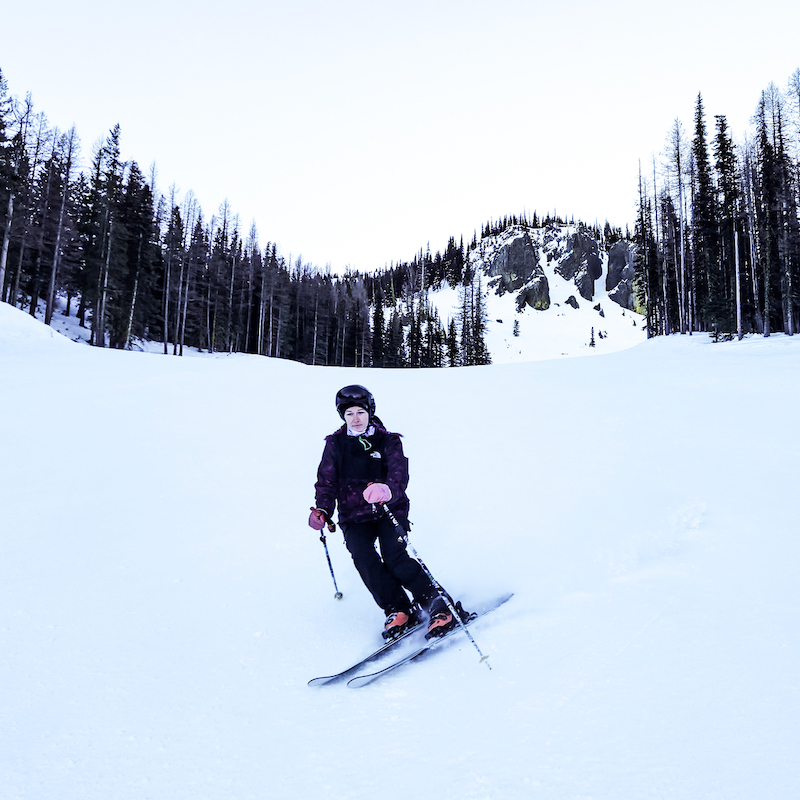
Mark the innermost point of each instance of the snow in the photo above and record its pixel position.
(560, 331)
(163, 603)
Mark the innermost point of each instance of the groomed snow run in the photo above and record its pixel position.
(163, 602)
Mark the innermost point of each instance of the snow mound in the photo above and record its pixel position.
(17, 327)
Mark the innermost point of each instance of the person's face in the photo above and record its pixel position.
(357, 419)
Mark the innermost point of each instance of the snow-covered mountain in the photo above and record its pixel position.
(163, 602)
(551, 292)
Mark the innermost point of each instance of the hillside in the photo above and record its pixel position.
(163, 603)
(584, 315)
(566, 292)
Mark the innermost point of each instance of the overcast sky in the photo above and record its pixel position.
(357, 132)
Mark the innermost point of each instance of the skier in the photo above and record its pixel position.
(363, 467)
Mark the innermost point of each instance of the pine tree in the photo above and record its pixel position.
(100, 234)
(395, 348)
(378, 332)
(728, 202)
(9, 176)
(28, 148)
(479, 325)
(766, 212)
(646, 283)
(133, 282)
(68, 152)
(710, 286)
(453, 351)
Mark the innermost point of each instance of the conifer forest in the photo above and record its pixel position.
(717, 249)
(717, 234)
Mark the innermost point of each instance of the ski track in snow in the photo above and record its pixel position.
(163, 603)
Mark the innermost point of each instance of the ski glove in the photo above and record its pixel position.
(316, 519)
(377, 493)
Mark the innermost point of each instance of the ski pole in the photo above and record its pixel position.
(331, 528)
(438, 586)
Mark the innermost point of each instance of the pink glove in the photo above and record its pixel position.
(316, 519)
(377, 493)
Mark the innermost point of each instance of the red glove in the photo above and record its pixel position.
(377, 493)
(316, 519)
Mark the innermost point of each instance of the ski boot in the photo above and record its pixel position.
(442, 620)
(398, 622)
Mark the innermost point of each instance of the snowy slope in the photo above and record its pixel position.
(162, 602)
(560, 331)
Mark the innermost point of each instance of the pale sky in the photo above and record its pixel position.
(355, 132)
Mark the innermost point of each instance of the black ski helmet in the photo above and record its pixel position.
(355, 395)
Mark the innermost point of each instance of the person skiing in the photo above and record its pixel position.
(363, 467)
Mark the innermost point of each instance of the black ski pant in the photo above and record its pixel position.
(386, 575)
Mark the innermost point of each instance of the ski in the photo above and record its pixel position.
(384, 648)
(362, 680)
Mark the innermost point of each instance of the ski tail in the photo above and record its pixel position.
(379, 653)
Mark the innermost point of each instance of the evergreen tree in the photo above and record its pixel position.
(12, 146)
(65, 234)
(378, 332)
(133, 300)
(710, 285)
(766, 213)
(479, 325)
(728, 201)
(101, 234)
(473, 322)
(453, 350)
(395, 346)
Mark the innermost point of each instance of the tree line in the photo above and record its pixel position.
(99, 241)
(717, 231)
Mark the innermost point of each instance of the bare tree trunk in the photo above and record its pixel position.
(185, 310)
(314, 343)
(230, 326)
(209, 342)
(178, 304)
(271, 305)
(167, 280)
(676, 162)
(24, 122)
(786, 262)
(739, 332)
(132, 310)
(682, 283)
(751, 224)
(262, 310)
(6, 240)
(99, 323)
(278, 334)
(15, 286)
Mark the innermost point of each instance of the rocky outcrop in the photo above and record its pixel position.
(514, 261)
(582, 264)
(537, 295)
(514, 264)
(619, 280)
(514, 267)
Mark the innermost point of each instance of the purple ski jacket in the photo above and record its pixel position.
(350, 463)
